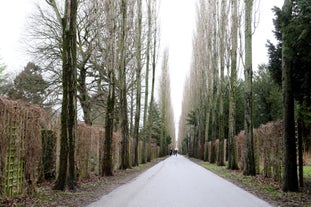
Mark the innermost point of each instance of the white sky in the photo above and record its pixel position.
(177, 25)
(13, 15)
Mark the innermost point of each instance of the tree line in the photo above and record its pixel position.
(97, 61)
(218, 103)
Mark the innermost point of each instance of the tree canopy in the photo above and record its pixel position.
(28, 85)
(299, 39)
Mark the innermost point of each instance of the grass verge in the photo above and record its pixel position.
(266, 188)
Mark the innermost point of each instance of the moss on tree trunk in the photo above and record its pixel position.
(249, 162)
(68, 114)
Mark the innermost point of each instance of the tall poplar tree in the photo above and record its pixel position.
(152, 20)
(138, 81)
(109, 7)
(223, 27)
(232, 160)
(125, 157)
(148, 50)
(163, 103)
(249, 162)
(215, 71)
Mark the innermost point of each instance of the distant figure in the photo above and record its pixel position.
(171, 152)
(175, 152)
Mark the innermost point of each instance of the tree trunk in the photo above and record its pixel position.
(249, 162)
(138, 82)
(131, 120)
(68, 114)
(163, 102)
(232, 160)
(149, 136)
(125, 159)
(147, 81)
(215, 83)
(300, 152)
(220, 161)
(207, 123)
(107, 162)
(84, 97)
(290, 180)
(107, 168)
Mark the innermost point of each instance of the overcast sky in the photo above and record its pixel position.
(177, 25)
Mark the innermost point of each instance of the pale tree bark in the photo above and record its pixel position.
(232, 160)
(249, 162)
(66, 176)
(290, 180)
(163, 102)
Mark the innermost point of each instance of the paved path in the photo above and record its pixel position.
(178, 182)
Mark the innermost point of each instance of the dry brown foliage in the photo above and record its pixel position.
(21, 147)
(268, 149)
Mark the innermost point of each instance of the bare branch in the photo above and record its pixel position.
(53, 4)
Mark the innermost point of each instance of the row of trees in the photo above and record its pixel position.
(215, 48)
(222, 45)
(100, 57)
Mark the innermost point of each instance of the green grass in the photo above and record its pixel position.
(307, 172)
(266, 188)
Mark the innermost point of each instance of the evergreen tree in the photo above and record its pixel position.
(290, 62)
(29, 86)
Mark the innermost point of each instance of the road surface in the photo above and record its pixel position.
(178, 182)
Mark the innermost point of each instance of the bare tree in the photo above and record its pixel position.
(46, 46)
(125, 160)
(223, 27)
(69, 80)
(109, 7)
(138, 81)
(232, 161)
(249, 163)
(215, 66)
(148, 49)
(152, 29)
(164, 96)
